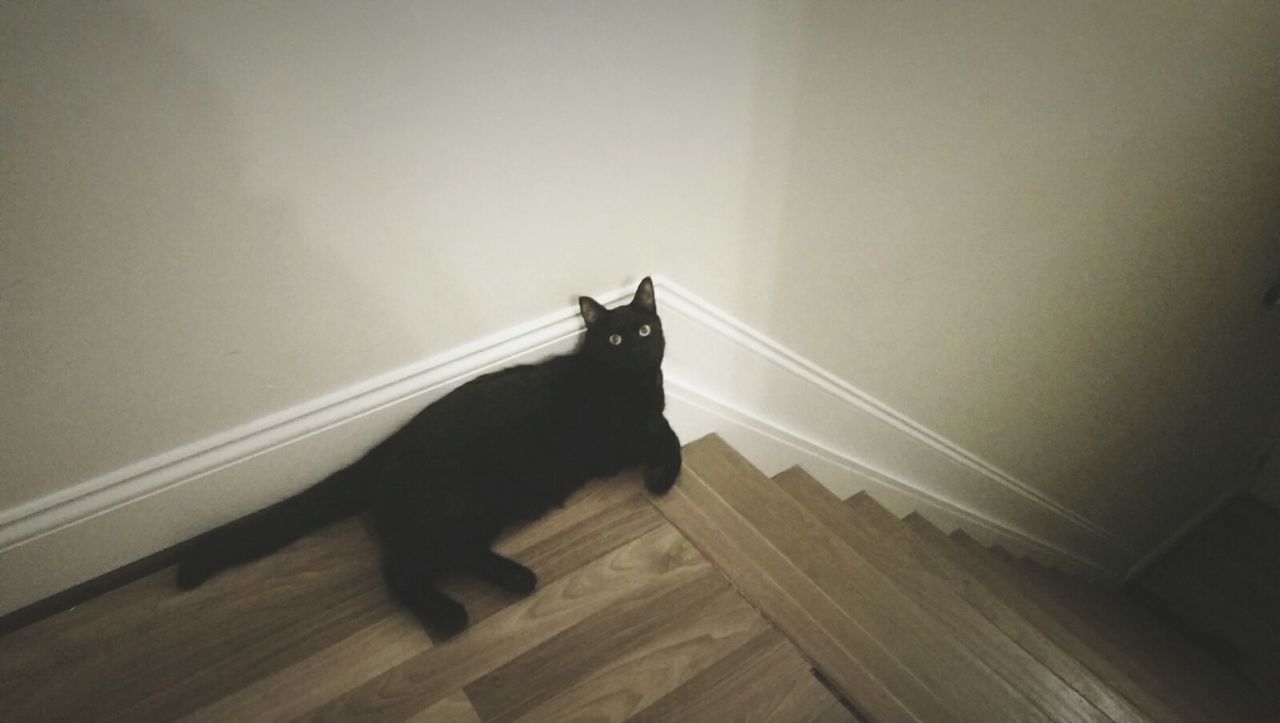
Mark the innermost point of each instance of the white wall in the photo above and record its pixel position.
(1039, 229)
(214, 210)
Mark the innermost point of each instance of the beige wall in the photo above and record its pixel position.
(1039, 229)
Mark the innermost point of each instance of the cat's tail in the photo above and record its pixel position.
(336, 497)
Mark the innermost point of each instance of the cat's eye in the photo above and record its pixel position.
(645, 330)
(615, 339)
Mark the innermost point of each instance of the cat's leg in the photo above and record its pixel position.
(661, 455)
(412, 585)
(503, 572)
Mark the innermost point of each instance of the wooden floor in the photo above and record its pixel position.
(630, 622)
(715, 602)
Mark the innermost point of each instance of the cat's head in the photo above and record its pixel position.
(626, 338)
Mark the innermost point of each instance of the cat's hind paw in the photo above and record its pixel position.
(506, 573)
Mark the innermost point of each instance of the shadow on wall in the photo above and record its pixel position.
(147, 299)
(1041, 231)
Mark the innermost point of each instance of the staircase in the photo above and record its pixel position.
(910, 624)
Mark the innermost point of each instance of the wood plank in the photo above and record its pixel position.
(864, 513)
(633, 679)
(642, 569)
(842, 649)
(833, 712)
(267, 615)
(284, 610)
(1097, 662)
(600, 518)
(323, 676)
(957, 677)
(889, 546)
(453, 709)
(1201, 680)
(765, 680)
(1137, 662)
(538, 675)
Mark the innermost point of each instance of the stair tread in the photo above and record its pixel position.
(1079, 643)
(1201, 686)
(913, 625)
(879, 521)
(796, 606)
(934, 585)
(1197, 671)
(911, 635)
(1139, 661)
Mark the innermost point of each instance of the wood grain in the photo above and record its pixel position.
(961, 680)
(313, 681)
(800, 609)
(455, 708)
(714, 602)
(598, 519)
(642, 569)
(969, 556)
(168, 653)
(1206, 684)
(884, 532)
(538, 675)
(1148, 681)
(633, 678)
(764, 680)
(627, 613)
(890, 548)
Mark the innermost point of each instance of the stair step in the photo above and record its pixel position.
(928, 580)
(1003, 615)
(1149, 673)
(859, 666)
(1075, 639)
(912, 625)
(915, 643)
(1202, 679)
(1198, 687)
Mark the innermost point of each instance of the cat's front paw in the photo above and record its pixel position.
(659, 479)
(519, 580)
(191, 575)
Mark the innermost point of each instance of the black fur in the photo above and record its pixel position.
(504, 447)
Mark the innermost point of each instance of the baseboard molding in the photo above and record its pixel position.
(773, 450)
(776, 407)
(749, 377)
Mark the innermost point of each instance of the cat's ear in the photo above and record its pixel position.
(644, 297)
(592, 311)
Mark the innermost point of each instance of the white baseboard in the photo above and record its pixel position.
(774, 406)
(773, 450)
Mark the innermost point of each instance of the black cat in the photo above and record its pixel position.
(504, 447)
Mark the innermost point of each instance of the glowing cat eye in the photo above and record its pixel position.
(615, 339)
(645, 330)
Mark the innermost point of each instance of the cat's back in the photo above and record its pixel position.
(498, 402)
